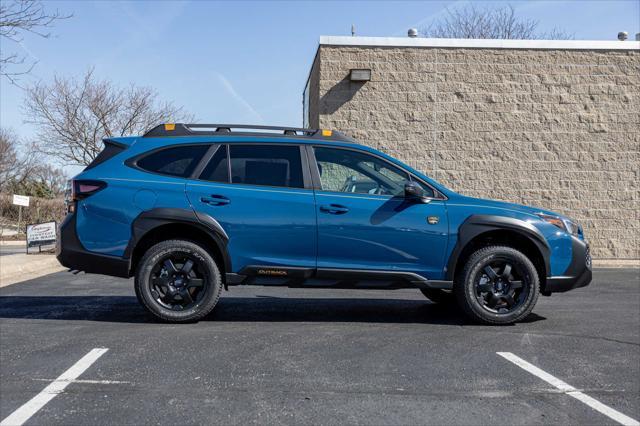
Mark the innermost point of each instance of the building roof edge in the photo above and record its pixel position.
(479, 43)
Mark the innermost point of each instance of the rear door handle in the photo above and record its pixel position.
(334, 209)
(215, 200)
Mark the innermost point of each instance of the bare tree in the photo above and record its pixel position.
(51, 178)
(74, 115)
(15, 167)
(501, 23)
(7, 155)
(16, 18)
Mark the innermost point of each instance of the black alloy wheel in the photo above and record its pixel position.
(498, 285)
(178, 281)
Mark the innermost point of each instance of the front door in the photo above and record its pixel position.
(257, 193)
(366, 223)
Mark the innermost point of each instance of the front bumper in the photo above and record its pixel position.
(71, 254)
(577, 275)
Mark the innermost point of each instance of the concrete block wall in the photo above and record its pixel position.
(558, 129)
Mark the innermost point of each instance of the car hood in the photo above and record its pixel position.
(518, 208)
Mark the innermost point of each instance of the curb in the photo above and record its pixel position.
(616, 263)
(15, 269)
(13, 243)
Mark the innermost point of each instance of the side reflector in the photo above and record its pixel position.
(169, 126)
(326, 132)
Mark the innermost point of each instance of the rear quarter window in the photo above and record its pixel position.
(110, 150)
(179, 161)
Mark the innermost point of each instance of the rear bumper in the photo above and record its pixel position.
(73, 255)
(577, 275)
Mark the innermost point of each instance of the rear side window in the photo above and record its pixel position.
(270, 165)
(217, 169)
(178, 161)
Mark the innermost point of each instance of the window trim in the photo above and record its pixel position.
(133, 161)
(306, 175)
(317, 185)
(197, 172)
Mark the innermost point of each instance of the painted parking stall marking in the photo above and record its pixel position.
(56, 387)
(570, 390)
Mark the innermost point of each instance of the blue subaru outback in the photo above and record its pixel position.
(190, 209)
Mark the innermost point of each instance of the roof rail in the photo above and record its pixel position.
(182, 129)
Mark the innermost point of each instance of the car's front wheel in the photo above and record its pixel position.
(178, 281)
(499, 285)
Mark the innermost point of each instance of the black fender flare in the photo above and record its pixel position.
(151, 219)
(476, 225)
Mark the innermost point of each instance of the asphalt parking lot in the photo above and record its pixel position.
(278, 355)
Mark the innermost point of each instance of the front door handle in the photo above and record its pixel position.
(215, 200)
(334, 209)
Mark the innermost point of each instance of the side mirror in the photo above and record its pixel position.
(415, 191)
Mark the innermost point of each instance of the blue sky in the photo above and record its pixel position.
(242, 61)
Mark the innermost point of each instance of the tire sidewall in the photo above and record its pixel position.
(476, 263)
(153, 256)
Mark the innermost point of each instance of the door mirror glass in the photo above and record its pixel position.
(414, 190)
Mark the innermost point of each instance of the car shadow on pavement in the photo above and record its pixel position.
(125, 309)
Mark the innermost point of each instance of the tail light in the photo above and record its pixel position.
(81, 189)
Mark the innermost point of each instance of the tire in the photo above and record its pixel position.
(436, 295)
(492, 294)
(178, 281)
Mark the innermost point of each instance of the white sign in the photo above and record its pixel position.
(20, 200)
(41, 234)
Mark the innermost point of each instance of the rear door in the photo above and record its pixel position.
(261, 194)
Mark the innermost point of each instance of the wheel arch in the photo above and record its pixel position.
(482, 230)
(161, 224)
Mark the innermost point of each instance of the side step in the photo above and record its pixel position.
(332, 278)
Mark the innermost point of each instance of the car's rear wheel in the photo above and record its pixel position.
(437, 295)
(499, 285)
(178, 281)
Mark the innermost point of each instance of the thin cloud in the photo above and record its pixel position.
(143, 28)
(238, 98)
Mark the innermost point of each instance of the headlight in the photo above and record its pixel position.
(569, 226)
(572, 227)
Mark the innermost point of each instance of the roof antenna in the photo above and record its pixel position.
(353, 30)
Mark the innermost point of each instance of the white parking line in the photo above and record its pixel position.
(92, 382)
(570, 390)
(32, 406)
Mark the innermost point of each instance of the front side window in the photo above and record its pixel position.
(269, 165)
(343, 170)
(177, 161)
